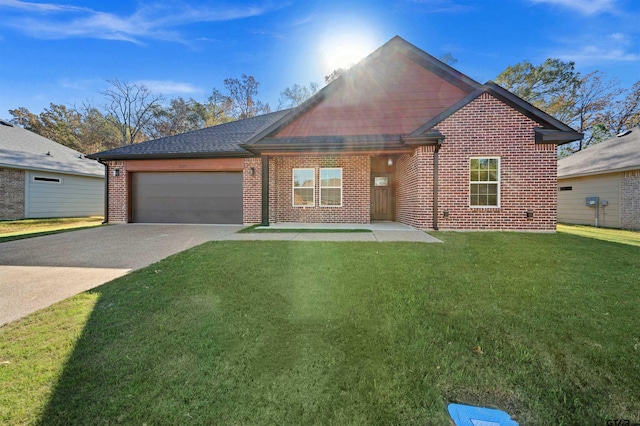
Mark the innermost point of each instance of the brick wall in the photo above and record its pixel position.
(12, 187)
(118, 187)
(252, 191)
(487, 127)
(630, 196)
(414, 189)
(355, 190)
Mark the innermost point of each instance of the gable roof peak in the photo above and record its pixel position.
(396, 45)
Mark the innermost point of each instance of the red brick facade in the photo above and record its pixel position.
(488, 127)
(118, 209)
(252, 191)
(485, 127)
(414, 190)
(355, 189)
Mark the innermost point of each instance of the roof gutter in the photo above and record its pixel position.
(436, 152)
(106, 191)
(327, 148)
(222, 154)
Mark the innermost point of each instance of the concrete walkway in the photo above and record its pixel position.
(381, 232)
(38, 272)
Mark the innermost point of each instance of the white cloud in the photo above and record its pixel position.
(168, 87)
(596, 54)
(439, 6)
(587, 7)
(41, 7)
(155, 21)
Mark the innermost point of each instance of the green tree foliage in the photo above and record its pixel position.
(592, 104)
(242, 93)
(84, 129)
(296, 94)
(132, 113)
(218, 108)
(626, 112)
(550, 86)
(179, 117)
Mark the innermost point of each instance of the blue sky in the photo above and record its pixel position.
(62, 51)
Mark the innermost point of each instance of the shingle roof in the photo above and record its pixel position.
(615, 154)
(215, 141)
(22, 149)
(561, 132)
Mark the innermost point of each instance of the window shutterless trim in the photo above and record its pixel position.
(294, 187)
(486, 182)
(330, 187)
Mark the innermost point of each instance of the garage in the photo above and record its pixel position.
(186, 197)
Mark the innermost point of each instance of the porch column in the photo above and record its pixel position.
(265, 190)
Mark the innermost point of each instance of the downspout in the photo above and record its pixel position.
(435, 184)
(106, 191)
(265, 190)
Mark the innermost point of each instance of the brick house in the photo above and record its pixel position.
(400, 137)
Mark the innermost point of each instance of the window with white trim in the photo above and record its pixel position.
(484, 179)
(304, 184)
(331, 187)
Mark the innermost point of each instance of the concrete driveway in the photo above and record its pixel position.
(37, 272)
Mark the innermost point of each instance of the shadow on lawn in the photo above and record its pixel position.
(172, 346)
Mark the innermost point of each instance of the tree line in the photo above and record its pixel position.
(592, 104)
(130, 113)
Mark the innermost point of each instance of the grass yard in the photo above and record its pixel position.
(606, 234)
(544, 326)
(26, 228)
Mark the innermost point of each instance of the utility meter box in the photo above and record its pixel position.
(592, 201)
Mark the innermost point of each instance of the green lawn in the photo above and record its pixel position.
(26, 228)
(606, 234)
(544, 326)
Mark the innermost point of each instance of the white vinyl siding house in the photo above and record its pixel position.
(62, 195)
(572, 195)
(610, 171)
(40, 178)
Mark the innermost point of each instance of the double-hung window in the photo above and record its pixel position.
(304, 185)
(485, 182)
(331, 187)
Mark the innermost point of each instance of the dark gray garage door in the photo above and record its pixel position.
(187, 197)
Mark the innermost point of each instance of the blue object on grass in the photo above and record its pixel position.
(468, 415)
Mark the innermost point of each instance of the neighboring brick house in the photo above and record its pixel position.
(40, 178)
(609, 171)
(400, 137)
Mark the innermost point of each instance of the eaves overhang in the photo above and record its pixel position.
(557, 137)
(431, 137)
(50, 170)
(166, 156)
(332, 147)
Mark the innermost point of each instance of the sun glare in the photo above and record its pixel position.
(342, 50)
